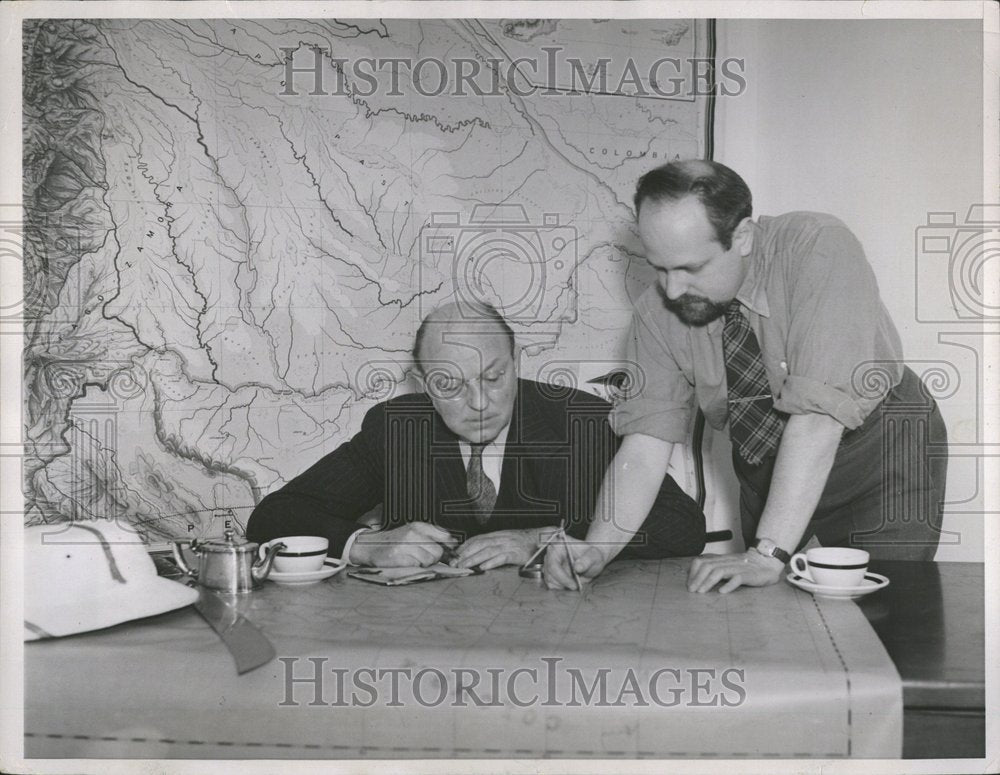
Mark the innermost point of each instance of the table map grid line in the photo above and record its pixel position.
(843, 666)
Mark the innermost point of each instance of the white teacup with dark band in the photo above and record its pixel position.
(832, 566)
(302, 554)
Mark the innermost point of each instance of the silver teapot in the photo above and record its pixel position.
(227, 564)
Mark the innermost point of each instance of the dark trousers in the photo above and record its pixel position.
(885, 493)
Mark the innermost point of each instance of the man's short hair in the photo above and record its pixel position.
(724, 194)
(476, 314)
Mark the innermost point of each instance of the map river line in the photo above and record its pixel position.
(220, 279)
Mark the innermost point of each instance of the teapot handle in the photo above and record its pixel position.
(265, 548)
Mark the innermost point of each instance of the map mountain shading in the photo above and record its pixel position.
(232, 229)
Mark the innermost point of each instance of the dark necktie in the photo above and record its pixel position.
(478, 484)
(755, 426)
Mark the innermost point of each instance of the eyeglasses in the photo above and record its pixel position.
(444, 386)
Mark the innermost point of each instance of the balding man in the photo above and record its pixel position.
(481, 462)
(775, 327)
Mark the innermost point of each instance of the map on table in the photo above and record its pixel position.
(232, 229)
(635, 666)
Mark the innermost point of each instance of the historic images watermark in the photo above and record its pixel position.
(311, 681)
(550, 73)
(954, 254)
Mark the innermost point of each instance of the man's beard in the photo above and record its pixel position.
(694, 310)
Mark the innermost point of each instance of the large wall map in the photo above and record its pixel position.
(232, 229)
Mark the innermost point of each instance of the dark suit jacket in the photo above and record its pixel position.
(558, 447)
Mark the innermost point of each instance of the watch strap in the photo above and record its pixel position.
(773, 551)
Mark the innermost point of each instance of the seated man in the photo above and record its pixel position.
(482, 462)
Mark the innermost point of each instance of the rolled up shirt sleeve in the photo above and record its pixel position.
(659, 398)
(838, 329)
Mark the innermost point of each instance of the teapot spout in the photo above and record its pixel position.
(179, 558)
(262, 569)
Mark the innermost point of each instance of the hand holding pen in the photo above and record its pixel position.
(569, 556)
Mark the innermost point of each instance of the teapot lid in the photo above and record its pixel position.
(228, 543)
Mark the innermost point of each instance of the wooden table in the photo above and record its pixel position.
(931, 619)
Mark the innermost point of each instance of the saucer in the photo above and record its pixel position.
(872, 583)
(329, 569)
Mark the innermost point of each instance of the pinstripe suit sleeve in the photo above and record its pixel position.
(329, 497)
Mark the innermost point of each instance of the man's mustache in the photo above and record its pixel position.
(694, 310)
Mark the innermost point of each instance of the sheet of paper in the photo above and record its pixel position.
(406, 575)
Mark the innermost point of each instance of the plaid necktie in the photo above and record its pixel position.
(755, 426)
(479, 486)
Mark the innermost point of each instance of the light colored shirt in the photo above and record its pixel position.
(826, 339)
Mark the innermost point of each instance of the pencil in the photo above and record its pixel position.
(572, 569)
(541, 547)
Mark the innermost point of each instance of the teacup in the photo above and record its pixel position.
(832, 566)
(302, 554)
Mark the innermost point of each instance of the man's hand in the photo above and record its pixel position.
(418, 543)
(588, 561)
(750, 568)
(491, 550)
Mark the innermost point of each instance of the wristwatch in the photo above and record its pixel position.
(768, 548)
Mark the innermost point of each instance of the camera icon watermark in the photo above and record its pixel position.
(31, 255)
(499, 257)
(11, 261)
(952, 261)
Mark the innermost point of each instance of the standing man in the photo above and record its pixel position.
(481, 463)
(776, 326)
